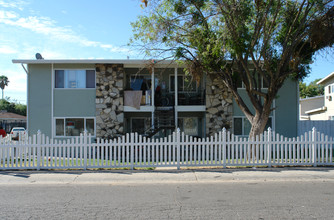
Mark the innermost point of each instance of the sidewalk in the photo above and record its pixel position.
(168, 176)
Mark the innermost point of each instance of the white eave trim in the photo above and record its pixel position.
(326, 78)
(96, 61)
(324, 108)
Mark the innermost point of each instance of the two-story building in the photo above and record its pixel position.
(111, 97)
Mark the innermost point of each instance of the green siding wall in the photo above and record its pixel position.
(287, 109)
(67, 102)
(39, 99)
(74, 102)
(286, 112)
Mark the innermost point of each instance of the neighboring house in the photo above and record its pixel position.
(309, 103)
(109, 98)
(326, 110)
(8, 120)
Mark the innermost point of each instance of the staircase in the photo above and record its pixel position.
(164, 119)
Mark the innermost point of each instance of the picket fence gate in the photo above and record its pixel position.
(177, 150)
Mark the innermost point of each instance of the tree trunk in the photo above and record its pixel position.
(258, 125)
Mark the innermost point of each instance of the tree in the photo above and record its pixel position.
(239, 40)
(3, 83)
(9, 106)
(310, 90)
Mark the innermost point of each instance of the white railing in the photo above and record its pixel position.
(177, 150)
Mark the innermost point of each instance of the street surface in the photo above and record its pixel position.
(281, 193)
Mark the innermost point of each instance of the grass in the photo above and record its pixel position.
(26, 162)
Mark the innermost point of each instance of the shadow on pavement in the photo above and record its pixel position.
(168, 170)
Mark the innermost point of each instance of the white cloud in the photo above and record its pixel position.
(48, 27)
(5, 49)
(18, 4)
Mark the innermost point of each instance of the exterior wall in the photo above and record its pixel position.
(39, 99)
(309, 104)
(329, 104)
(74, 102)
(109, 100)
(285, 115)
(219, 108)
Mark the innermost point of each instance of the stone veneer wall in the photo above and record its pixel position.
(109, 100)
(219, 106)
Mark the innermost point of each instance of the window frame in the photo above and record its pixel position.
(243, 85)
(64, 118)
(197, 122)
(183, 84)
(72, 69)
(142, 117)
(243, 126)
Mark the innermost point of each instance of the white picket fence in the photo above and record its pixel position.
(177, 150)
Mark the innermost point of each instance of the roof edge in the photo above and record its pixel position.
(325, 79)
(94, 61)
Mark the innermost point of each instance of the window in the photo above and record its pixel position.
(240, 84)
(74, 126)
(184, 82)
(74, 79)
(331, 89)
(140, 125)
(189, 125)
(241, 125)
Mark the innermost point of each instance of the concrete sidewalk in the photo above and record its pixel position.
(168, 176)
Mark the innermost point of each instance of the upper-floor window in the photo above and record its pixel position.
(74, 79)
(185, 83)
(330, 89)
(264, 84)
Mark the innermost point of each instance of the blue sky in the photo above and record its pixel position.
(68, 29)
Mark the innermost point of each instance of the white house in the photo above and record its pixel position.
(326, 110)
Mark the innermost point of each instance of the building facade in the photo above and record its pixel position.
(109, 98)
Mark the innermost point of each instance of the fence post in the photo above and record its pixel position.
(132, 150)
(269, 147)
(178, 147)
(224, 147)
(39, 140)
(314, 154)
(85, 149)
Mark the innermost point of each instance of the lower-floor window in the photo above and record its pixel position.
(241, 125)
(189, 125)
(74, 126)
(140, 125)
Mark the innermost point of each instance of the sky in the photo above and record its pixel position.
(76, 29)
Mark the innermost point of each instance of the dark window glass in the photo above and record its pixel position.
(74, 126)
(59, 127)
(90, 79)
(59, 79)
(237, 122)
(265, 84)
(269, 124)
(180, 82)
(90, 126)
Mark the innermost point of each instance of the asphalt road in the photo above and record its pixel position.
(247, 194)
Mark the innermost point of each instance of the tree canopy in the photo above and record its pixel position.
(3, 83)
(9, 106)
(310, 90)
(239, 40)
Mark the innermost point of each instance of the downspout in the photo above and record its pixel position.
(27, 72)
(176, 99)
(298, 109)
(52, 91)
(152, 96)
